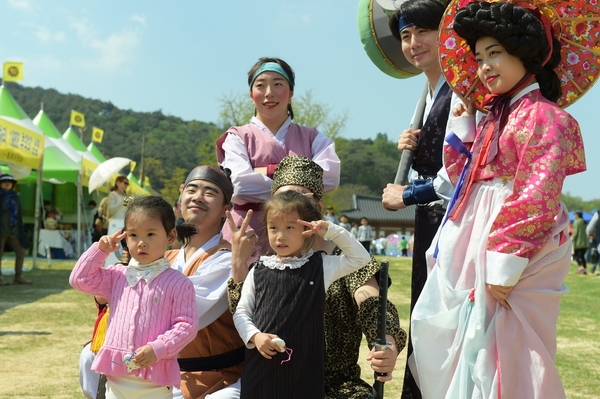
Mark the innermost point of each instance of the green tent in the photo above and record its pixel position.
(22, 144)
(21, 148)
(96, 152)
(59, 164)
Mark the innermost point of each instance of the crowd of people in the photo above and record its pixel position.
(268, 297)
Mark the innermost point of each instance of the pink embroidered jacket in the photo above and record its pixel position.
(540, 145)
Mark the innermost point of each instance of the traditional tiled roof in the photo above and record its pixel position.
(371, 208)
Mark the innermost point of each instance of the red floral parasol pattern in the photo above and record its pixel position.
(576, 24)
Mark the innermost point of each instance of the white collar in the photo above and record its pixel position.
(282, 130)
(135, 272)
(524, 91)
(181, 263)
(290, 262)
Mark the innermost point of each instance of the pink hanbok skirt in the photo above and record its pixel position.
(466, 345)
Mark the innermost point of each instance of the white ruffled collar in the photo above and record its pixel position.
(291, 262)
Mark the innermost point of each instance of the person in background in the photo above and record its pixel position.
(354, 229)
(51, 222)
(92, 209)
(330, 215)
(47, 205)
(403, 246)
(344, 222)
(381, 244)
(116, 209)
(581, 242)
(12, 230)
(365, 234)
(593, 232)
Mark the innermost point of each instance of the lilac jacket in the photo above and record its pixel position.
(162, 314)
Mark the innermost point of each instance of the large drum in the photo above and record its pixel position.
(381, 47)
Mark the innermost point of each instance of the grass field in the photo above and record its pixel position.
(44, 326)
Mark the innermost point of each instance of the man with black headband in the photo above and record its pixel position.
(213, 361)
(415, 24)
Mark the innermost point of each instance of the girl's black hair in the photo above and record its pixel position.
(422, 13)
(286, 67)
(157, 207)
(291, 202)
(520, 32)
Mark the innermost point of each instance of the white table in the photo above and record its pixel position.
(55, 239)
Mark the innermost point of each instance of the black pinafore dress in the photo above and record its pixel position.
(289, 303)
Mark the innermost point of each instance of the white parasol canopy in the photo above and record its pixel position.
(106, 170)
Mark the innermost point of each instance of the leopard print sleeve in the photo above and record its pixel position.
(368, 315)
(234, 292)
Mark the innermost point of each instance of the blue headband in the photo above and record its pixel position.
(273, 67)
(404, 22)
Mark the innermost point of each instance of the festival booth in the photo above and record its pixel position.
(95, 151)
(21, 147)
(61, 174)
(135, 188)
(88, 164)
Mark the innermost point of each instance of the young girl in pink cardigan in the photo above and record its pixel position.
(153, 308)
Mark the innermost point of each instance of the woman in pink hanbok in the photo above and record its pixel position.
(485, 323)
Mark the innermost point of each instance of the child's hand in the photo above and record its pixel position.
(144, 356)
(318, 227)
(110, 243)
(265, 345)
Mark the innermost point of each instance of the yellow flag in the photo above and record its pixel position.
(97, 134)
(13, 72)
(77, 119)
(146, 181)
(132, 165)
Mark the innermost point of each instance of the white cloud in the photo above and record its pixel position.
(48, 62)
(46, 35)
(21, 4)
(112, 52)
(141, 19)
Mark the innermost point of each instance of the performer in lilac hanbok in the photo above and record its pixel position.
(485, 323)
(253, 151)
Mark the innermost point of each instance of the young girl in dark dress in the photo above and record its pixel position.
(283, 297)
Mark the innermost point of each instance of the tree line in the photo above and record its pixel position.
(174, 146)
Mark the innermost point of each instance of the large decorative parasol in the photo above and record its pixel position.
(576, 24)
(106, 170)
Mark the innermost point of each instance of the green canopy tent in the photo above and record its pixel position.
(93, 149)
(66, 166)
(89, 163)
(60, 161)
(21, 147)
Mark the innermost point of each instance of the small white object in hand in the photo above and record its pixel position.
(128, 361)
(279, 342)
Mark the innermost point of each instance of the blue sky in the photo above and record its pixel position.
(182, 57)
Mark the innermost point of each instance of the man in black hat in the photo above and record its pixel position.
(12, 230)
(208, 363)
